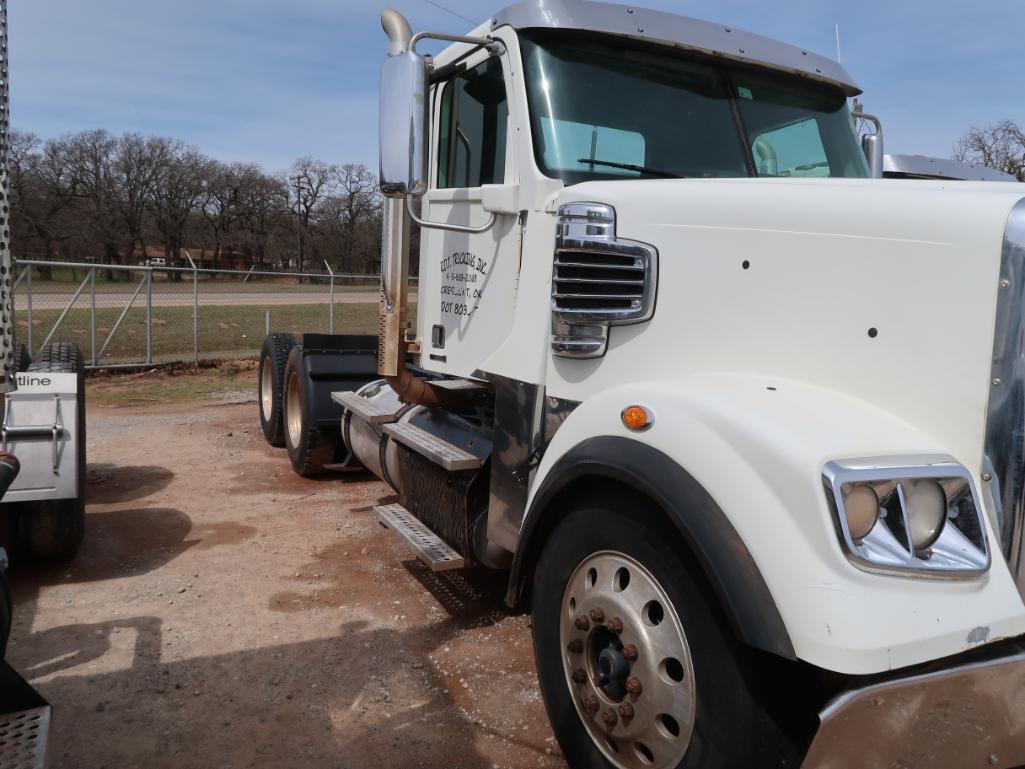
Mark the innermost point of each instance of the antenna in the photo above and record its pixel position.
(838, 42)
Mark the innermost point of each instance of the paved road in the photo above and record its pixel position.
(184, 299)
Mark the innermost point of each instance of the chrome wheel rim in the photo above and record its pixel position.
(294, 411)
(266, 390)
(627, 663)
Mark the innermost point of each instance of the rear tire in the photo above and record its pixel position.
(55, 528)
(695, 706)
(309, 447)
(22, 359)
(273, 359)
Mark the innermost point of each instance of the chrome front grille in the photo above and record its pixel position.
(598, 280)
(1004, 463)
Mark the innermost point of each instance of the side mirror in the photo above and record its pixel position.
(403, 125)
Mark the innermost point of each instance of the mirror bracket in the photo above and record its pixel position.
(493, 45)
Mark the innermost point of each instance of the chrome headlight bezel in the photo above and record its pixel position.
(962, 550)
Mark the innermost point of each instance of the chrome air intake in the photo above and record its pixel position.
(598, 280)
(1004, 463)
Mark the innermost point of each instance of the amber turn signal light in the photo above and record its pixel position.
(637, 417)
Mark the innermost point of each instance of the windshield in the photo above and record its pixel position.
(633, 111)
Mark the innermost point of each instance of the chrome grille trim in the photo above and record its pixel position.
(1005, 418)
(598, 280)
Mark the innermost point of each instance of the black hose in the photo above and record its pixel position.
(9, 468)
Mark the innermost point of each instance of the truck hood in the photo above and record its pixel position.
(882, 290)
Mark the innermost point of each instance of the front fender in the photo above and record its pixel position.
(757, 450)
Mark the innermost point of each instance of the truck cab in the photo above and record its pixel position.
(741, 419)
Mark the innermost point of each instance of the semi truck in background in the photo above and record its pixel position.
(742, 421)
(923, 167)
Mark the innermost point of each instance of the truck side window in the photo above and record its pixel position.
(474, 114)
(793, 150)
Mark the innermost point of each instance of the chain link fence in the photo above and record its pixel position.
(128, 316)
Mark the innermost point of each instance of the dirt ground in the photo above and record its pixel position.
(224, 612)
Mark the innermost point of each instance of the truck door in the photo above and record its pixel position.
(467, 288)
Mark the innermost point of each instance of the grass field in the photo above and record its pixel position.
(224, 331)
(234, 380)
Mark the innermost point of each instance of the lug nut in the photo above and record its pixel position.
(609, 718)
(630, 653)
(634, 686)
(626, 711)
(579, 676)
(591, 703)
(615, 625)
(583, 622)
(576, 646)
(597, 614)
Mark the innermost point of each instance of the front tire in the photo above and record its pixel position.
(635, 668)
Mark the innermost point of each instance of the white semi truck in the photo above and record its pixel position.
(749, 441)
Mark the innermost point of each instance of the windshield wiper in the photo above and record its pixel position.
(631, 167)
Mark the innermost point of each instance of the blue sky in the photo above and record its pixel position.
(272, 80)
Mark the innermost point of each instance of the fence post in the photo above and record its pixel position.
(149, 316)
(195, 309)
(29, 297)
(331, 311)
(92, 320)
(268, 322)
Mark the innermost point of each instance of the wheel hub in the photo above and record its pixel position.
(294, 411)
(612, 667)
(266, 390)
(627, 662)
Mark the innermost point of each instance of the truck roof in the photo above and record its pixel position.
(677, 31)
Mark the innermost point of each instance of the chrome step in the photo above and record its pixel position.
(461, 385)
(427, 545)
(364, 408)
(437, 450)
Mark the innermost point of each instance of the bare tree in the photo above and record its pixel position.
(42, 192)
(309, 181)
(1001, 146)
(361, 205)
(91, 156)
(138, 162)
(261, 206)
(95, 195)
(175, 195)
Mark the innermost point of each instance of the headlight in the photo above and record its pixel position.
(861, 507)
(926, 504)
(901, 515)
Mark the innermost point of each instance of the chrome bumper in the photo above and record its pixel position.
(970, 716)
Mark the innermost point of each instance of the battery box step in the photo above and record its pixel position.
(461, 385)
(436, 449)
(364, 408)
(427, 545)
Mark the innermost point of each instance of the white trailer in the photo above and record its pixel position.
(743, 421)
(43, 424)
